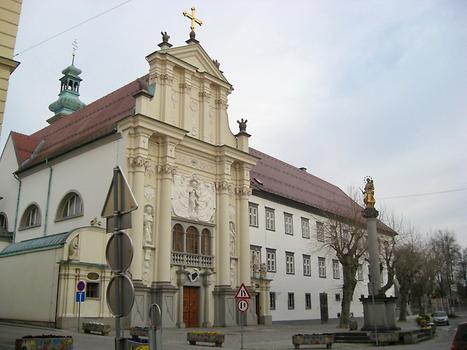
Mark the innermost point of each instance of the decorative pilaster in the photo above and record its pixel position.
(223, 253)
(244, 239)
(206, 283)
(204, 95)
(137, 168)
(185, 92)
(181, 275)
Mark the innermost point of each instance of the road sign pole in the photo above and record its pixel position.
(79, 312)
(241, 329)
(118, 334)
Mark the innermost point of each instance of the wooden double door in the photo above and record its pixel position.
(191, 306)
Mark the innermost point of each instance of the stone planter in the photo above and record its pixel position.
(313, 339)
(96, 327)
(44, 342)
(205, 337)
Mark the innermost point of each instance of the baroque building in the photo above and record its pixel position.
(199, 230)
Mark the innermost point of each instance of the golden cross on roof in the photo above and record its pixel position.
(193, 19)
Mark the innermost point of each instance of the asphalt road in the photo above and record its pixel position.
(276, 337)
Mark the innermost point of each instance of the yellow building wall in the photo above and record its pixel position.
(9, 17)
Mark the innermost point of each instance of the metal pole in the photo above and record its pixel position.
(79, 310)
(241, 329)
(118, 334)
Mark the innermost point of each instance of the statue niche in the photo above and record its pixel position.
(148, 224)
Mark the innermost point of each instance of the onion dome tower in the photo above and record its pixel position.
(68, 98)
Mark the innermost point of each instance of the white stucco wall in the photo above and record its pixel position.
(8, 184)
(283, 283)
(29, 286)
(88, 173)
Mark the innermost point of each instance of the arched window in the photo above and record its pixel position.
(3, 222)
(177, 238)
(70, 85)
(192, 238)
(31, 217)
(206, 242)
(71, 206)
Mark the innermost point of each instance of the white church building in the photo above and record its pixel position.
(213, 213)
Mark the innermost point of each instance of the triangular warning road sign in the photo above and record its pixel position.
(242, 293)
(125, 202)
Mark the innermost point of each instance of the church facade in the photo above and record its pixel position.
(212, 212)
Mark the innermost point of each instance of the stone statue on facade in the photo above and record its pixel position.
(233, 239)
(165, 37)
(148, 224)
(73, 248)
(369, 193)
(242, 124)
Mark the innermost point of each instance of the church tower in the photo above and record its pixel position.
(68, 98)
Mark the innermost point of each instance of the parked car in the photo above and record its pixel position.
(460, 338)
(440, 318)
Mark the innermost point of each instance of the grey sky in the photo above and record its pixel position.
(344, 88)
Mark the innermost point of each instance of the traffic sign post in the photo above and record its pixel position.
(242, 296)
(119, 251)
(80, 297)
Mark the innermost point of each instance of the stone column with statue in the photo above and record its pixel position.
(379, 311)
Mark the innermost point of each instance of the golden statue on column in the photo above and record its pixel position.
(369, 193)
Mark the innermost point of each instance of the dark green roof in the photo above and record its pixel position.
(42, 243)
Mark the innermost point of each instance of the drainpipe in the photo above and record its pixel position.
(48, 197)
(17, 205)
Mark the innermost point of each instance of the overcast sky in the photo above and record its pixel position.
(344, 88)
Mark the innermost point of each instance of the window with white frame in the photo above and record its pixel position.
(70, 206)
(288, 223)
(322, 267)
(319, 231)
(92, 290)
(360, 272)
(31, 217)
(305, 228)
(270, 220)
(272, 300)
(271, 260)
(253, 212)
(308, 301)
(306, 265)
(336, 273)
(338, 296)
(291, 301)
(289, 263)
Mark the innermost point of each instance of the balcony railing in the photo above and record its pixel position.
(192, 260)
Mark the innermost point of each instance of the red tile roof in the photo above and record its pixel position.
(88, 124)
(276, 177)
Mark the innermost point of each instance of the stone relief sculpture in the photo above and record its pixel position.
(193, 198)
(233, 272)
(149, 193)
(147, 265)
(73, 248)
(148, 224)
(233, 239)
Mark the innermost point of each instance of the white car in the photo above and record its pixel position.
(440, 318)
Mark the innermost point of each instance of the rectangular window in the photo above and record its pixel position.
(305, 228)
(289, 263)
(288, 223)
(308, 301)
(306, 265)
(338, 297)
(319, 231)
(92, 290)
(336, 273)
(272, 300)
(253, 212)
(271, 260)
(291, 301)
(270, 220)
(255, 257)
(322, 267)
(345, 236)
(360, 272)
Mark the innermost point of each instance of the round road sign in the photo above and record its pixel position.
(119, 252)
(120, 295)
(242, 305)
(81, 285)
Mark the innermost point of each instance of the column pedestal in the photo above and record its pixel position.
(379, 313)
(163, 294)
(224, 307)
